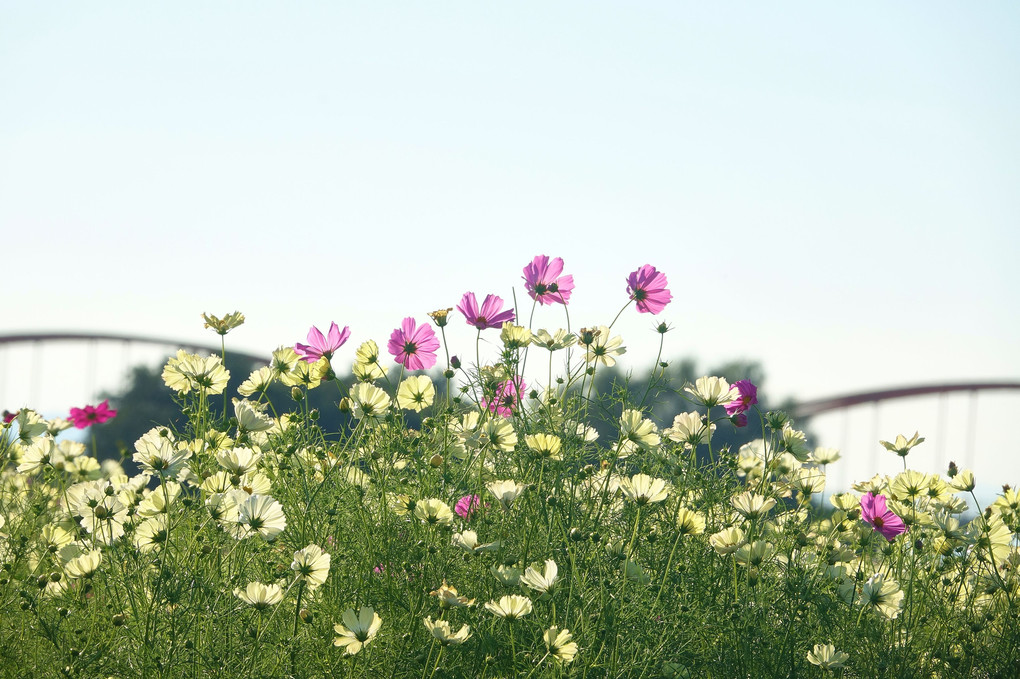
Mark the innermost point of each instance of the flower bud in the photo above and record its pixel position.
(297, 394)
(436, 460)
(776, 419)
(455, 362)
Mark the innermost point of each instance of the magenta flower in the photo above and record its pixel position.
(882, 519)
(467, 505)
(747, 398)
(647, 287)
(544, 283)
(319, 346)
(83, 417)
(414, 345)
(489, 316)
(507, 397)
(739, 419)
(9, 416)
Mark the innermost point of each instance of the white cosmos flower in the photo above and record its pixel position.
(544, 582)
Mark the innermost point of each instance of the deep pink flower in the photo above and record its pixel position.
(467, 505)
(747, 398)
(647, 287)
(9, 416)
(83, 417)
(319, 346)
(882, 519)
(489, 316)
(507, 397)
(544, 283)
(414, 345)
(739, 419)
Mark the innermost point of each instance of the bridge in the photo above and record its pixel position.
(854, 423)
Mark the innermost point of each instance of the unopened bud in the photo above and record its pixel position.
(776, 419)
(297, 394)
(436, 460)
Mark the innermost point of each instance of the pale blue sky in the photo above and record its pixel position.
(832, 189)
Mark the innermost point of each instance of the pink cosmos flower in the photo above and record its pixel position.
(9, 416)
(882, 519)
(489, 316)
(647, 287)
(747, 398)
(544, 283)
(739, 419)
(83, 417)
(467, 505)
(414, 345)
(507, 397)
(319, 346)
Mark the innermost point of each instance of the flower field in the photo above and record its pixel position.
(499, 536)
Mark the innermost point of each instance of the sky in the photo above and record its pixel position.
(830, 189)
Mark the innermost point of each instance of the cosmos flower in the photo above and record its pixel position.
(433, 511)
(545, 445)
(647, 287)
(468, 541)
(826, 657)
(560, 644)
(599, 347)
(644, 489)
(507, 397)
(442, 633)
(561, 339)
(259, 595)
(902, 445)
(467, 505)
(636, 433)
(223, 325)
(882, 519)
(511, 607)
(490, 315)
(449, 597)
(712, 391)
(83, 417)
(506, 491)
(261, 514)
(186, 372)
(544, 582)
(358, 629)
(884, 594)
(745, 397)
(416, 393)
(84, 565)
(370, 402)
(311, 565)
(414, 346)
(322, 347)
(544, 283)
